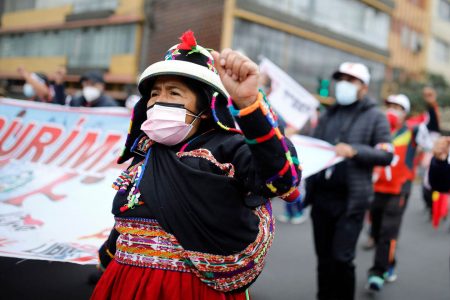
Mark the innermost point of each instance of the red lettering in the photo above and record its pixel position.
(46, 190)
(92, 179)
(63, 147)
(85, 152)
(15, 125)
(46, 136)
(2, 122)
(66, 143)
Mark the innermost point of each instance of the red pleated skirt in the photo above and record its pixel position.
(126, 282)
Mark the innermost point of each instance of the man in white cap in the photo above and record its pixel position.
(340, 195)
(392, 189)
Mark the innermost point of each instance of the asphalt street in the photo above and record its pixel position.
(423, 268)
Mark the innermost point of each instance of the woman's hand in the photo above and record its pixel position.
(239, 75)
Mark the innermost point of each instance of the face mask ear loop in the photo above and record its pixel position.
(197, 116)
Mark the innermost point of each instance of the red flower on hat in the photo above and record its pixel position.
(188, 41)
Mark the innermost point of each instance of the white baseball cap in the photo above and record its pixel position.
(401, 100)
(356, 70)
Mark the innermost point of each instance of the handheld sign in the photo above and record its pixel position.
(289, 99)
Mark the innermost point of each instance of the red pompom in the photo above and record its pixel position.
(187, 41)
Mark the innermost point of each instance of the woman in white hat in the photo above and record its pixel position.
(193, 216)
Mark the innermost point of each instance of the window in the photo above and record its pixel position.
(404, 36)
(15, 5)
(304, 60)
(51, 3)
(348, 17)
(80, 6)
(411, 39)
(415, 42)
(444, 10)
(90, 47)
(441, 51)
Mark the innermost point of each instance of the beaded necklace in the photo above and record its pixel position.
(133, 175)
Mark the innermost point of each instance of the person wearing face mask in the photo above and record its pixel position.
(340, 195)
(92, 94)
(193, 218)
(432, 119)
(392, 189)
(36, 86)
(39, 88)
(439, 172)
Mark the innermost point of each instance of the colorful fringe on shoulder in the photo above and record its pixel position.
(133, 175)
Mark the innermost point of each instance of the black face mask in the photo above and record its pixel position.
(176, 105)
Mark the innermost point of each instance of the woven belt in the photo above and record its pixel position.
(143, 243)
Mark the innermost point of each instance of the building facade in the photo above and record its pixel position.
(439, 39)
(307, 38)
(408, 39)
(310, 38)
(80, 35)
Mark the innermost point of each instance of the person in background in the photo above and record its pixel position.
(392, 189)
(58, 87)
(425, 130)
(92, 94)
(432, 119)
(341, 194)
(439, 172)
(38, 87)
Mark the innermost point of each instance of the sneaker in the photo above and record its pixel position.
(369, 245)
(284, 218)
(375, 283)
(390, 275)
(299, 218)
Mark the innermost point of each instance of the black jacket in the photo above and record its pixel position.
(365, 128)
(102, 101)
(439, 175)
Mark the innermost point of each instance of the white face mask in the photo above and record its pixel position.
(28, 90)
(91, 93)
(346, 92)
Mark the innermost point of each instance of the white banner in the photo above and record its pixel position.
(57, 165)
(315, 155)
(289, 99)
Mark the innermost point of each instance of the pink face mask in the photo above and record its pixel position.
(166, 125)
